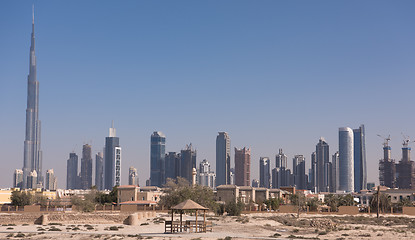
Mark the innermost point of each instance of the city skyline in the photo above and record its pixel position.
(380, 69)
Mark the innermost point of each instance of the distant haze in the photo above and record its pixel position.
(273, 74)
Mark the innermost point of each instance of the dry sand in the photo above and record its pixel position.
(250, 226)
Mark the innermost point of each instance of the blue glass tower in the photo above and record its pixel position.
(360, 172)
(157, 159)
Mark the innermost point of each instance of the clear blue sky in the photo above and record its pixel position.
(274, 74)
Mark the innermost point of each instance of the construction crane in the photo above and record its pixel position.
(385, 140)
(406, 140)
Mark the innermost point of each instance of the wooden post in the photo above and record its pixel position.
(196, 221)
(204, 220)
(171, 228)
(112, 208)
(103, 207)
(377, 200)
(181, 226)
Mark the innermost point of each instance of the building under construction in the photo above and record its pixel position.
(387, 170)
(405, 169)
(397, 175)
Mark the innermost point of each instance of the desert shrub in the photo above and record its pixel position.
(234, 208)
(19, 235)
(21, 198)
(180, 190)
(113, 228)
(273, 203)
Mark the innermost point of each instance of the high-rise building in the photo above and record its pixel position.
(313, 173)
(187, 162)
(32, 153)
(346, 161)
(281, 160)
(232, 177)
(223, 159)
(206, 176)
(18, 178)
(32, 180)
(157, 159)
(335, 171)
(405, 169)
(255, 183)
(72, 171)
(264, 172)
(322, 158)
(387, 167)
(86, 167)
(51, 182)
(133, 176)
(172, 163)
(360, 171)
(243, 166)
(112, 160)
(99, 171)
(300, 180)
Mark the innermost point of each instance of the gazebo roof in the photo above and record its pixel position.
(189, 205)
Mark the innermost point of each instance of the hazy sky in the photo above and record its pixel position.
(273, 74)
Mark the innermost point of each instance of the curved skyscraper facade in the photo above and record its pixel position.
(346, 160)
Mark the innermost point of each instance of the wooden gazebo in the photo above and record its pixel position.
(180, 226)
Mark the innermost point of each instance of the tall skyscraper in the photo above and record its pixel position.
(335, 171)
(322, 158)
(18, 178)
(264, 172)
(300, 180)
(99, 171)
(86, 167)
(72, 171)
(112, 160)
(187, 162)
(223, 159)
(243, 166)
(32, 153)
(360, 171)
(157, 159)
(132, 176)
(206, 176)
(281, 160)
(405, 169)
(387, 167)
(346, 161)
(313, 173)
(51, 181)
(172, 163)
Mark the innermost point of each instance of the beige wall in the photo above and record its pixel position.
(227, 194)
(288, 209)
(127, 194)
(408, 210)
(348, 210)
(32, 208)
(128, 208)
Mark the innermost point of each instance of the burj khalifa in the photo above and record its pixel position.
(32, 164)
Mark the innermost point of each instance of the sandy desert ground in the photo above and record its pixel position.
(250, 226)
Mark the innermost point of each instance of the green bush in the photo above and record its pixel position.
(234, 208)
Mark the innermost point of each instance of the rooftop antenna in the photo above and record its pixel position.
(33, 13)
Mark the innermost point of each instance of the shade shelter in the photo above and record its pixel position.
(179, 226)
